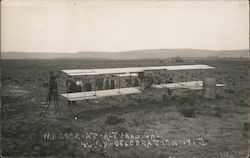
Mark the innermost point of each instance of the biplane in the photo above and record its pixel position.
(146, 77)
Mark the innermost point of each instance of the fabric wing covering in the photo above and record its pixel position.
(87, 72)
(127, 75)
(194, 85)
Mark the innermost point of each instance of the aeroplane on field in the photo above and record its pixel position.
(146, 77)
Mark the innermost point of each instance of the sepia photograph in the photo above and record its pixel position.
(125, 79)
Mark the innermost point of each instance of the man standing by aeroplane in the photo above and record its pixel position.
(52, 88)
(52, 94)
(112, 83)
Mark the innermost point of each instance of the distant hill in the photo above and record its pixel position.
(24, 55)
(135, 54)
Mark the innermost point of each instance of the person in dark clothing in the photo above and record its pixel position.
(148, 82)
(97, 82)
(128, 82)
(159, 80)
(52, 94)
(169, 79)
(169, 92)
(136, 82)
(52, 88)
(101, 83)
(79, 85)
(68, 84)
(112, 83)
(71, 88)
(88, 85)
(84, 85)
(107, 83)
(71, 85)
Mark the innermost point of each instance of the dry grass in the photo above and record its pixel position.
(222, 122)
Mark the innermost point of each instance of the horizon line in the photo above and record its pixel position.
(125, 50)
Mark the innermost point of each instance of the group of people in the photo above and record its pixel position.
(169, 79)
(78, 84)
(105, 83)
(85, 85)
(132, 82)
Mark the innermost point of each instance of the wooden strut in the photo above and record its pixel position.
(173, 79)
(196, 78)
(67, 87)
(182, 72)
(130, 80)
(201, 75)
(95, 85)
(164, 86)
(119, 83)
(186, 74)
(202, 92)
(141, 94)
(85, 87)
(83, 84)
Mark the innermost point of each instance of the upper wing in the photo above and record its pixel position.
(180, 67)
(85, 72)
(127, 74)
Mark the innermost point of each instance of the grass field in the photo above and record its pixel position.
(222, 123)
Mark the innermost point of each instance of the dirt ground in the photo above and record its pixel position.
(186, 125)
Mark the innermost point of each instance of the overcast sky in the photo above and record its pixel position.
(72, 26)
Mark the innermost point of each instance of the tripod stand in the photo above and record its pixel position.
(51, 95)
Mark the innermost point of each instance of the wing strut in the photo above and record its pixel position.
(95, 85)
(119, 82)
